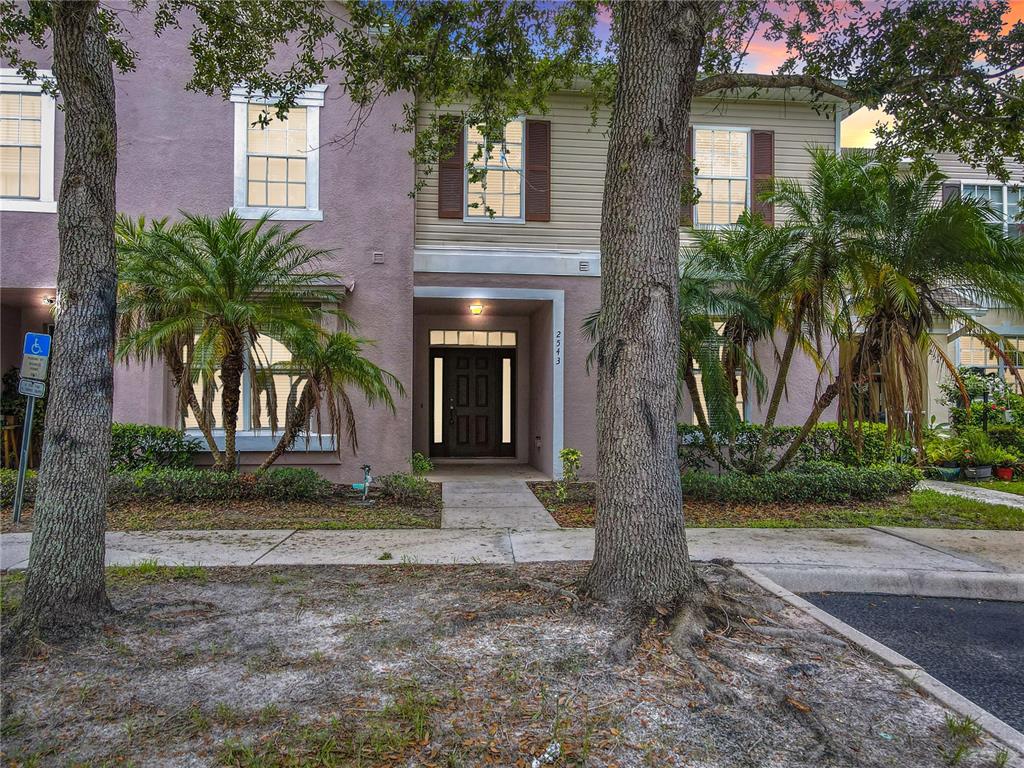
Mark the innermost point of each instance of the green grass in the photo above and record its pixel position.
(923, 509)
(919, 509)
(1006, 486)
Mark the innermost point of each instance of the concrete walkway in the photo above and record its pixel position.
(887, 560)
(493, 503)
(975, 492)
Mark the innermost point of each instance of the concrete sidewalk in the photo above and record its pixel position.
(978, 564)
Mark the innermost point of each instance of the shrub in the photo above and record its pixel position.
(136, 446)
(813, 481)
(421, 465)
(9, 482)
(291, 484)
(979, 451)
(1009, 437)
(191, 485)
(161, 484)
(828, 441)
(406, 489)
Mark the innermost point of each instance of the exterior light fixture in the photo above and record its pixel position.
(49, 300)
(476, 308)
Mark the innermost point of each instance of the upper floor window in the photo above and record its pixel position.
(1005, 200)
(721, 159)
(494, 179)
(277, 160)
(26, 145)
(971, 352)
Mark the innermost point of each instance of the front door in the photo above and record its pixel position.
(472, 403)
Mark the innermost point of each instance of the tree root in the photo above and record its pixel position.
(552, 588)
(800, 634)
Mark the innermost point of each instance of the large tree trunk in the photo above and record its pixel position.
(65, 587)
(640, 557)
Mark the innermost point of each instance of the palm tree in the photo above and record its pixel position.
(916, 256)
(822, 216)
(330, 365)
(140, 302)
(707, 293)
(223, 283)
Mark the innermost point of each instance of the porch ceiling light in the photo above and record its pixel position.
(476, 308)
(49, 300)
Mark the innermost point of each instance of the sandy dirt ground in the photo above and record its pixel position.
(444, 666)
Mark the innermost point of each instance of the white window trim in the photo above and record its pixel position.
(521, 218)
(988, 182)
(312, 99)
(10, 80)
(738, 129)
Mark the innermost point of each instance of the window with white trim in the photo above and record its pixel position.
(1005, 200)
(721, 157)
(277, 160)
(26, 145)
(494, 182)
(270, 389)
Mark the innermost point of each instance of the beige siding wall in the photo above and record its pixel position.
(955, 168)
(578, 150)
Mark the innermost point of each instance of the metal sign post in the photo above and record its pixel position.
(34, 364)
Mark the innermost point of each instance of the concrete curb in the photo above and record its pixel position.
(972, 585)
(909, 670)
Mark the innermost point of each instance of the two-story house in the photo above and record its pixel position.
(474, 291)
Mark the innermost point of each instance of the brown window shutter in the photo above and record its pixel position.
(686, 214)
(762, 169)
(950, 191)
(451, 169)
(537, 177)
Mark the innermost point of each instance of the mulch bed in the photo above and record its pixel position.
(579, 509)
(381, 666)
(341, 511)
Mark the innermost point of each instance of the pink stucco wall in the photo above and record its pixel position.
(176, 152)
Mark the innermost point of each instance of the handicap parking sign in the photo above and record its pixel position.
(37, 344)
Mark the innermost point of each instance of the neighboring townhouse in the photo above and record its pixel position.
(179, 150)
(1006, 199)
(478, 315)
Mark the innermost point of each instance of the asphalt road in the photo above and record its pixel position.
(976, 647)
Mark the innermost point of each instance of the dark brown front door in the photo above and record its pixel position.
(472, 403)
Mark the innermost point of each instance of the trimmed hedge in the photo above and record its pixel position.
(189, 485)
(813, 481)
(828, 441)
(136, 446)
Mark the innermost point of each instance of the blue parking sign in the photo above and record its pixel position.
(37, 344)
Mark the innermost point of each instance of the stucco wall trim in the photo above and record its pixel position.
(557, 299)
(507, 262)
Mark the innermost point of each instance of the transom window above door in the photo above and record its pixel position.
(721, 158)
(494, 178)
(472, 338)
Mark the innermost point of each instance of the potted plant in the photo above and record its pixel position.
(944, 455)
(1004, 467)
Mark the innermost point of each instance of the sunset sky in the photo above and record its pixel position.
(858, 128)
